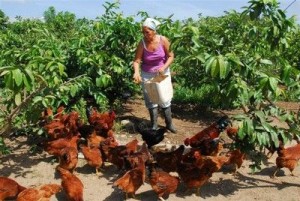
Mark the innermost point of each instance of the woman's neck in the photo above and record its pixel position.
(151, 40)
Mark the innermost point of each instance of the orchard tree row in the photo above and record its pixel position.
(246, 60)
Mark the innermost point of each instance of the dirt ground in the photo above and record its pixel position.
(34, 169)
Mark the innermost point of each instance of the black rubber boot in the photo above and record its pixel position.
(168, 119)
(153, 117)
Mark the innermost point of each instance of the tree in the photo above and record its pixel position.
(3, 20)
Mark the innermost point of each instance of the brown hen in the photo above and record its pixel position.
(196, 174)
(93, 157)
(287, 157)
(68, 158)
(54, 147)
(143, 154)
(168, 161)
(9, 188)
(42, 193)
(132, 180)
(116, 154)
(162, 183)
(103, 122)
(106, 145)
(236, 157)
(94, 140)
(71, 185)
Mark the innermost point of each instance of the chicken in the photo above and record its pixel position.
(93, 157)
(116, 154)
(103, 122)
(132, 180)
(236, 157)
(211, 147)
(68, 158)
(54, 147)
(192, 155)
(131, 147)
(46, 116)
(232, 132)
(287, 157)
(162, 182)
(9, 188)
(168, 160)
(71, 185)
(86, 130)
(196, 174)
(143, 154)
(94, 140)
(209, 133)
(42, 193)
(73, 122)
(56, 128)
(106, 145)
(150, 136)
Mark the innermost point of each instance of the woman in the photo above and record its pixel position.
(153, 55)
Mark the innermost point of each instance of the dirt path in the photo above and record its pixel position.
(32, 169)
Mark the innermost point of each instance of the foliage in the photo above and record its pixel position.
(245, 67)
(249, 59)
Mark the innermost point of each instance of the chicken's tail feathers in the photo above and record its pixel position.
(187, 142)
(52, 188)
(141, 126)
(21, 188)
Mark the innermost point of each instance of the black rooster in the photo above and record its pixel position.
(150, 136)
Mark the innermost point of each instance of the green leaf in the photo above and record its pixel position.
(61, 68)
(29, 73)
(222, 67)
(253, 137)
(273, 83)
(37, 99)
(263, 82)
(208, 63)
(18, 77)
(73, 90)
(261, 116)
(215, 68)
(56, 80)
(18, 99)
(260, 138)
(27, 82)
(274, 138)
(265, 61)
(9, 81)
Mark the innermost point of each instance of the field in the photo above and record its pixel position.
(32, 169)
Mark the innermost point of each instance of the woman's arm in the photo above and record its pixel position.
(136, 63)
(169, 54)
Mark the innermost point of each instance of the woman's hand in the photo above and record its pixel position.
(137, 78)
(161, 70)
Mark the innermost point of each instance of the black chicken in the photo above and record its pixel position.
(150, 136)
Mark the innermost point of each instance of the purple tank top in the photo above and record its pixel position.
(152, 61)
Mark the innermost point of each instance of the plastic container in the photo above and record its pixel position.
(159, 89)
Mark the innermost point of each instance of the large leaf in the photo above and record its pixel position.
(17, 76)
(18, 98)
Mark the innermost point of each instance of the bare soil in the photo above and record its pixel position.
(37, 168)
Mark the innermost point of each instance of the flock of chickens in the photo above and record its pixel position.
(192, 163)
